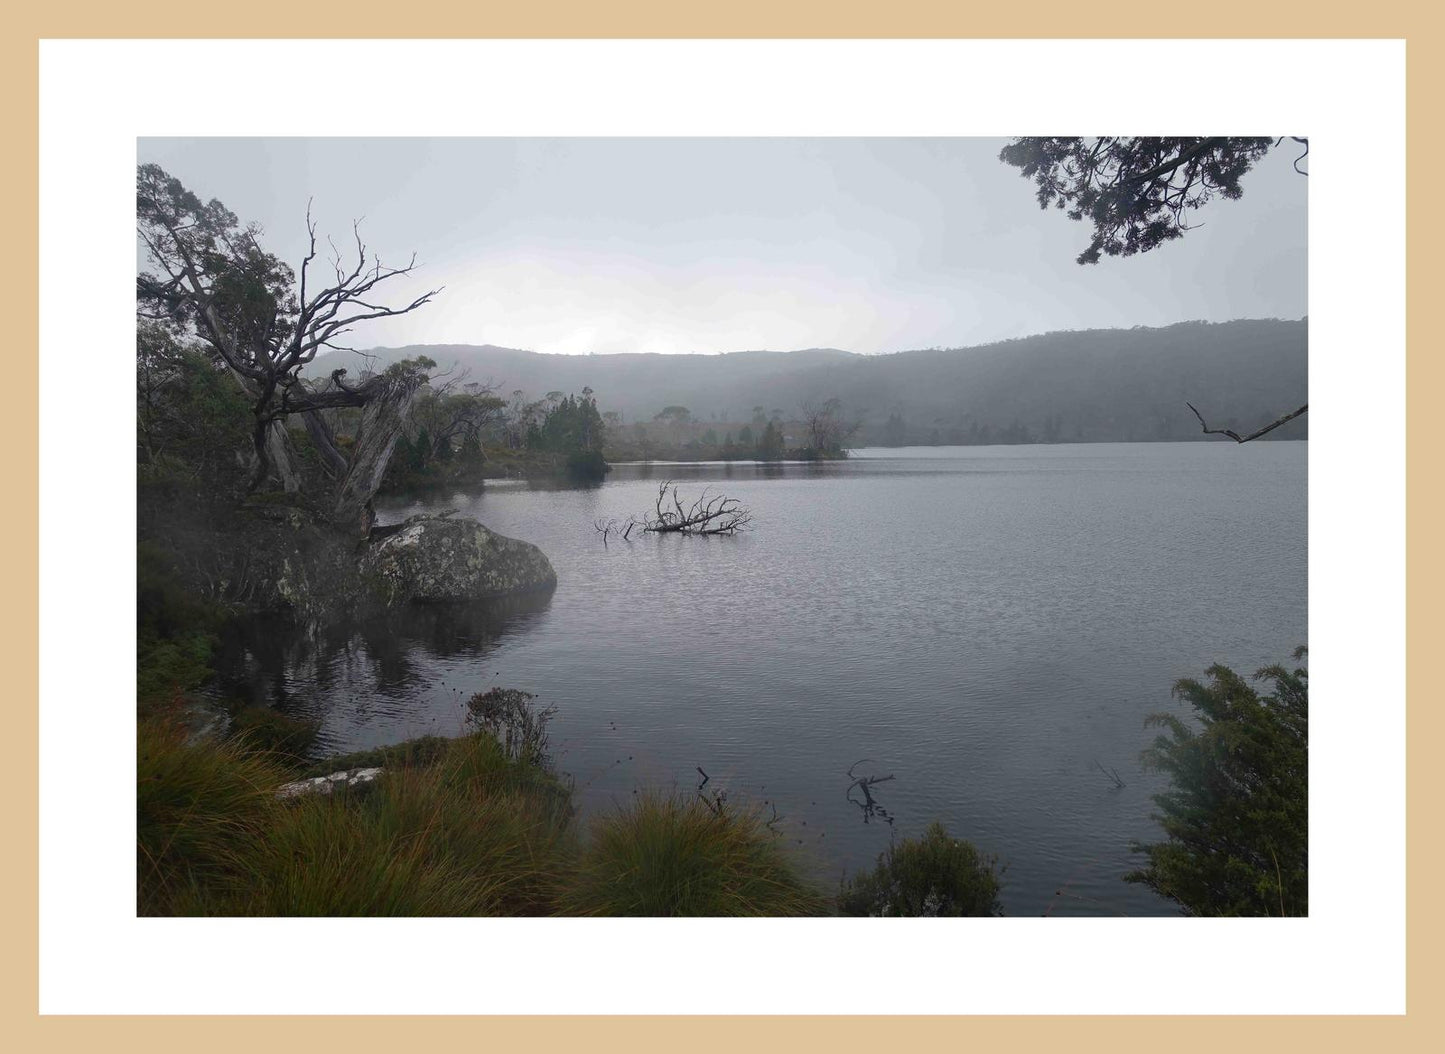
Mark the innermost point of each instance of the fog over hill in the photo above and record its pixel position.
(1091, 385)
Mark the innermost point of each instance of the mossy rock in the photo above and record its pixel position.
(431, 559)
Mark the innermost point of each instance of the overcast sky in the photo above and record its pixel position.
(707, 245)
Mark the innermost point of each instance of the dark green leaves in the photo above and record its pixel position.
(935, 875)
(1236, 814)
(1137, 192)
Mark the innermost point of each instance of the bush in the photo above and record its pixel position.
(174, 632)
(586, 465)
(673, 856)
(192, 419)
(1237, 812)
(935, 875)
(267, 730)
(520, 728)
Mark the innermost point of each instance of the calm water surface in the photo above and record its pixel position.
(988, 625)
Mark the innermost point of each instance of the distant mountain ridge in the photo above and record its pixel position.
(1086, 385)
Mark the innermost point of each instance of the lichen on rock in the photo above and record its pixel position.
(432, 559)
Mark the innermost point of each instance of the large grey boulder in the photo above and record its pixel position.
(433, 559)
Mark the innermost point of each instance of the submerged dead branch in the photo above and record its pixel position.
(709, 514)
(1112, 774)
(869, 804)
(716, 802)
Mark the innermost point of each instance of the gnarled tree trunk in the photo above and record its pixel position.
(381, 424)
(332, 459)
(277, 462)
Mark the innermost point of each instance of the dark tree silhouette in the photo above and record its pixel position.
(1136, 191)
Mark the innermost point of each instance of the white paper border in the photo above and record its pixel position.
(1348, 96)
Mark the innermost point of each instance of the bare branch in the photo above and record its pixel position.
(706, 515)
(1112, 774)
(1253, 435)
(1306, 144)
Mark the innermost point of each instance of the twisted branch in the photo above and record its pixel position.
(1253, 435)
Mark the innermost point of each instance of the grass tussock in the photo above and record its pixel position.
(675, 856)
(201, 808)
(453, 827)
(470, 833)
(265, 729)
(414, 753)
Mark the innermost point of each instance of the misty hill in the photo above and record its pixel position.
(1091, 385)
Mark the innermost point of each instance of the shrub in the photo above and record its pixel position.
(936, 875)
(672, 856)
(586, 465)
(174, 632)
(509, 716)
(192, 419)
(266, 729)
(1237, 811)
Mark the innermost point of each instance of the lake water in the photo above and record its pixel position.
(987, 625)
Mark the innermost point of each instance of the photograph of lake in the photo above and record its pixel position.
(722, 526)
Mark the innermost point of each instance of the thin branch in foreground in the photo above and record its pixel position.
(1253, 435)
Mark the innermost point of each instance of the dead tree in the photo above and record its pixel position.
(266, 322)
(826, 428)
(716, 514)
(612, 526)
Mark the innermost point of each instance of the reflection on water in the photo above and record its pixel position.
(378, 674)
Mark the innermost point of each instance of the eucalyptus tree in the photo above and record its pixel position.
(266, 323)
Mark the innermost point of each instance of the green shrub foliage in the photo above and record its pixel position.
(1236, 813)
(936, 875)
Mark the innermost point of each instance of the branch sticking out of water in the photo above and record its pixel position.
(869, 805)
(1112, 774)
